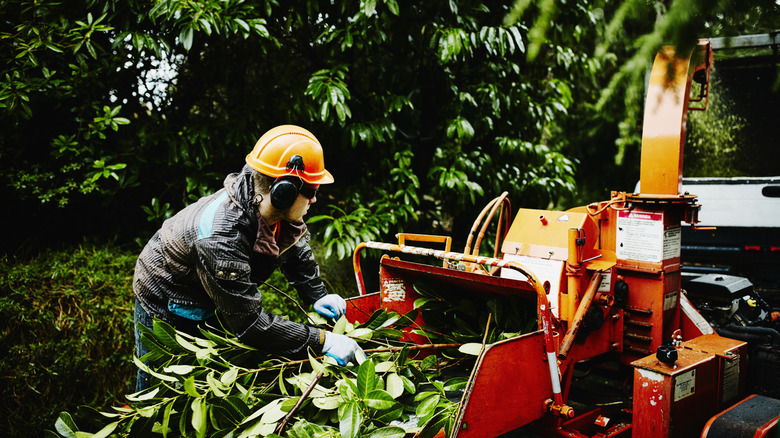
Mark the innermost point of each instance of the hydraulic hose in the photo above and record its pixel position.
(760, 331)
(740, 336)
(500, 201)
(503, 225)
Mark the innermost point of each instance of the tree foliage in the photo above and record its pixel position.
(425, 110)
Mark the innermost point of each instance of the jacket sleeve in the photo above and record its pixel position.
(303, 272)
(224, 272)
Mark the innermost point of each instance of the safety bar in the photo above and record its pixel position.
(543, 305)
(446, 240)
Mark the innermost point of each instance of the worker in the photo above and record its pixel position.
(208, 259)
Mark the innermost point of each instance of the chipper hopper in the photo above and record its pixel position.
(605, 282)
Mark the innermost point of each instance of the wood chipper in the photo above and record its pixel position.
(605, 282)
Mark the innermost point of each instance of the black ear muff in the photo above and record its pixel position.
(284, 191)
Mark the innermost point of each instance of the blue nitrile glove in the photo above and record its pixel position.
(341, 348)
(331, 306)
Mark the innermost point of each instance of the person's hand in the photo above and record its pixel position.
(342, 348)
(331, 306)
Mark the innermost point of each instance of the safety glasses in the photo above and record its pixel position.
(308, 191)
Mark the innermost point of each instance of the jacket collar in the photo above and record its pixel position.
(286, 236)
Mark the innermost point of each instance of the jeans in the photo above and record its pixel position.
(141, 317)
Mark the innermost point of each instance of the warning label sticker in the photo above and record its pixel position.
(730, 379)
(684, 385)
(672, 242)
(670, 301)
(641, 236)
(606, 281)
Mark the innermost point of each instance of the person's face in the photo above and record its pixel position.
(301, 205)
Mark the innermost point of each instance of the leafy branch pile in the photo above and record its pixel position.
(217, 386)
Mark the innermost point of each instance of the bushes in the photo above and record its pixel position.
(65, 320)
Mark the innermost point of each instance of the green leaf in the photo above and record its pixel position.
(379, 399)
(377, 318)
(420, 302)
(368, 7)
(160, 376)
(384, 367)
(189, 387)
(394, 385)
(106, 430)
(388, 432)
(473, 349)
(428, 363)
(186, 414)
(167, 419)
(316, 365)
(166, 334)
(456, 383)
(327, 403)
(186, 344)
(350, 419)
(199, 416)
(272, 406)
(435, 424)
(215, 385)
(65, 425)
(340, 325)
(282, 386)
(229, 376)
(179, 369)
(427, 406)
(365, 378)
(392, 5)
(408, 385)
(185, 37)
(362, 333)
(146, 394)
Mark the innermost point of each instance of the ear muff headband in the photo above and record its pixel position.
(285, 189)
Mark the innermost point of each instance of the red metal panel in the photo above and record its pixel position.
(674, 401)
(509, 388)
(731, 357)
(359, 309)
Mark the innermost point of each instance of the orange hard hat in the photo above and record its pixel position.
(290, 150)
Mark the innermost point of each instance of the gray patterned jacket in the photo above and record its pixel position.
(211, 256)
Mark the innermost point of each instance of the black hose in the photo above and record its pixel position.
(746, 337)
(774, 334)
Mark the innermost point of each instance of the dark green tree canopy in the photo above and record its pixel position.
(425, 110)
